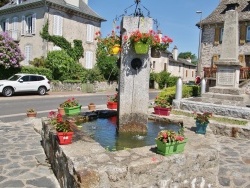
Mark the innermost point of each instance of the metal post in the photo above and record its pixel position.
(178, 92)
(203, 86)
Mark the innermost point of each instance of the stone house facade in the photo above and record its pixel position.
(212, 34)
(72, 19)
(179, 67)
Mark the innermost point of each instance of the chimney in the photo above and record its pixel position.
(175, 53)
(189, 59)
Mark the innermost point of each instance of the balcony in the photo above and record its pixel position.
(15, 34)
(210, 73)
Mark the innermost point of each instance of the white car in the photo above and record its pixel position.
(23, 83)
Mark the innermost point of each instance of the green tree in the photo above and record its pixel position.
(64, 67)
(106, 63)
(185, 55)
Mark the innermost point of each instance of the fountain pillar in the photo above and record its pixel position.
(134, 79)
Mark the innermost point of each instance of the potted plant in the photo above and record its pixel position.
(31, 112)
(162, 106)
(71, 106)
(61, 109)
(202, 120)
(112, 101)
(140, 41)
(169, 142)
(64, 128)
(112, 43)
(159, 44)
(91, 106)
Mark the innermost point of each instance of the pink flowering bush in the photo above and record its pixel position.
(10, 53)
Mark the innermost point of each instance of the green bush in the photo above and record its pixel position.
(6, 73)
(164, 79)
(37, 70)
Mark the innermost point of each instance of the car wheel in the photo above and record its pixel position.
(8, 91)
(41, 90)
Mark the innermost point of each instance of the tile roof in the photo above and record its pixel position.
(83, 8)
(181, 61)
(218, 15)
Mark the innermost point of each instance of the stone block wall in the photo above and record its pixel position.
(85, 164)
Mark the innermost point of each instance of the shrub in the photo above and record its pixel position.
(36, 70)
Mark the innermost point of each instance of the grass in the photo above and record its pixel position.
(215, 118)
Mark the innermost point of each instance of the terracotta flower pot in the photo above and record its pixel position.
(31, 114)
(91, 107)
(61, 111)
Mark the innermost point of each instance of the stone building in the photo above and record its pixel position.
(72, 19)
(212, 33)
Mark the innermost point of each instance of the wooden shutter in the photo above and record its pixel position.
(90, 33)
(217, 36)
(243, 29)
(89, 60)
(215, 59)
(57, 25)
(241, 58)
(23, 26)
(28, 49)
(33, 23)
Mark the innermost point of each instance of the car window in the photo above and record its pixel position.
(25, 78)
(33, 78)
(14, 77)
(39, 78)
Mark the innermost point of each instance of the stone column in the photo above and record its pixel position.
(134, 79)
(228, 66)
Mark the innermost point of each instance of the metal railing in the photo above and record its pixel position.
(210, 72)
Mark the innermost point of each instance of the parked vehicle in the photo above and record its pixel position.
(23, 83)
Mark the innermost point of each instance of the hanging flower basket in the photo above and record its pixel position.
(115, 49)
(155, 53)
(141, 48)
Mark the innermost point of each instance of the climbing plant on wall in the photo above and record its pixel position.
(75, 52)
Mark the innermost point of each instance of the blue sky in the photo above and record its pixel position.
(176, 18)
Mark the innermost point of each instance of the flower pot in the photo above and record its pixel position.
(141, 48)
(91, 107)
(64, 138)
(115, 49)
(113, 120)
(61, 111)
(155, 53)
(201, 127)
(31, 114)
(72, 110)
(170, 148)
(112, 105)
(162, 111)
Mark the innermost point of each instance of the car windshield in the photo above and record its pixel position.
(14, 77)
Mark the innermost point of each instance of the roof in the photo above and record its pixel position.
(181, 61)
(83, 7)
(218, 15)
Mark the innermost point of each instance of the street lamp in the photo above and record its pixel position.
(199, 48)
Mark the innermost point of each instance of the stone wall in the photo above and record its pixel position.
(84, 163)
(86, 87)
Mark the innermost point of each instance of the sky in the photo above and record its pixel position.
(176, 18)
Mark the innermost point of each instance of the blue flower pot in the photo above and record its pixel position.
(201, 127)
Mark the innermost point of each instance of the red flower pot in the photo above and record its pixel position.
(112, 105)
(65, 137)
(162, 111)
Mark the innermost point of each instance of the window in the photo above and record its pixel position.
(247, 59)
(27, 52)
(221, 34)
(218, 35)
(33, 78)
(90, 33)
(248, 34)
(19, 2)
(57, 25)
(192, 73)
(5, 25)
(165, 66)
(28, 24)
(25, 78)
(153, 64)
(186, 73)
(89, 60)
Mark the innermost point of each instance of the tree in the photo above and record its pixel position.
(10, 53)
(185, 55)
(3, 2)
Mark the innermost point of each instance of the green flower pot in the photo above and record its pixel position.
(170, 148)
(72, 110)
(141, 48)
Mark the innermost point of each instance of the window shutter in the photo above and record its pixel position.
(241, 58)
(248, 34)
(60, 25)
(217, 36)
(7, 25)
(89, 60)
(33, 23)
(28, 49)
(243, 29)
(23, 26)
(90, 33)
(14, 23)
(55, 24)
(215, 59)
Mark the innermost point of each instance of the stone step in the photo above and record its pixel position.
(220, 96)
(225, 90)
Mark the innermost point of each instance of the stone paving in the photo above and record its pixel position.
(23, 162)
(22, 158)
